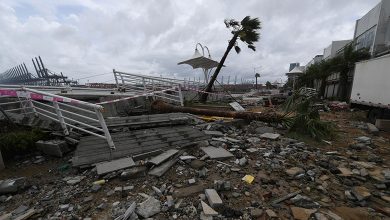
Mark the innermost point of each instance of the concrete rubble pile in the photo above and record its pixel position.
(243, 171)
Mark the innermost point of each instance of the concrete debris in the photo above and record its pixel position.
(372, 129)
(55, 148)
(149, 207)
(111, 166)
(271, 136)
(207, 210)
(237, 171)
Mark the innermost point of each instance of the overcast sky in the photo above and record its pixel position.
(83, 38)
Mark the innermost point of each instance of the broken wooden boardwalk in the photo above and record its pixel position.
(136, 143)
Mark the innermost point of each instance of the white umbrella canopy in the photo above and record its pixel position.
(200, 61)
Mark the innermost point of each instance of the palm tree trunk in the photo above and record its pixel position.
(209, 86)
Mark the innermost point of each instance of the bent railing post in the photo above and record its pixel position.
(60, 118)
(105, 129)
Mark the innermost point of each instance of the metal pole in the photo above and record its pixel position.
(116, 79)
(105, 129)
(60, 118)
(180, 95)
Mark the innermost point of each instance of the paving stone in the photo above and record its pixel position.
(157, 160)
(111, 166)
(213, 197)
(217, 153)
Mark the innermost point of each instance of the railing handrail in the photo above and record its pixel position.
(147, 77)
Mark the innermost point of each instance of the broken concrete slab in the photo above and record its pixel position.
(129, 211)
(217, 153)
(11, 185)
(162, 168)
(55, 148)
(213, 197)
(157, 160)
(207, 210)
(111, 166)
(271, 136)
(237, 107)
(149, 207)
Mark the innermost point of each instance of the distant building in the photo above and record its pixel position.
(316, 59)
(294, 74)
(333, 48)
(372, 31)
(292, 66)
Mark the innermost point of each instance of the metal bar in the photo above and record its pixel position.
(86, 131)
(63, 110)
(61, 97)
(82, 123)
(32, 106)
(60, 118)
(181, 96)
(105, 129)
(16, 109)
(78, 108)
(6, 103)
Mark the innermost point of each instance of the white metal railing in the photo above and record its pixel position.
(68, 112)
(150, 86)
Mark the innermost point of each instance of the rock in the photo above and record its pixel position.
(271, 136)
(207, 210)
(372, 129)
(133, 172)
(197, 164)
(256, 212)
(374, 158)
(214, 133)
(361, 193)
(73, 180)
(21, 209)
(191, 181)
(88, 199)
(305, 202)
(95, 187)
(271, 214)
(294, 171)
(12, 185)
(253, 140)
(345, 171)
(301, 213)
(64, 207)
(264, 129)
(170, 201)
(363, 139)
(213, 197)
(149, 207)
(243, 161)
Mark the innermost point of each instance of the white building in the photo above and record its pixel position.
(316, 59)
(334, 47)
(372, 31)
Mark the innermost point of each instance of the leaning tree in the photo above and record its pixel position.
(247, 32)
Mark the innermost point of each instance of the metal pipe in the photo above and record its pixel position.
(161, 106)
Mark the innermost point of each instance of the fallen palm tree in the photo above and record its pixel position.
(272, 117)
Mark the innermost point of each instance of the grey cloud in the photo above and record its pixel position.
(151, 37)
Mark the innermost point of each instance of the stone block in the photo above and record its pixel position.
(213, 197)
